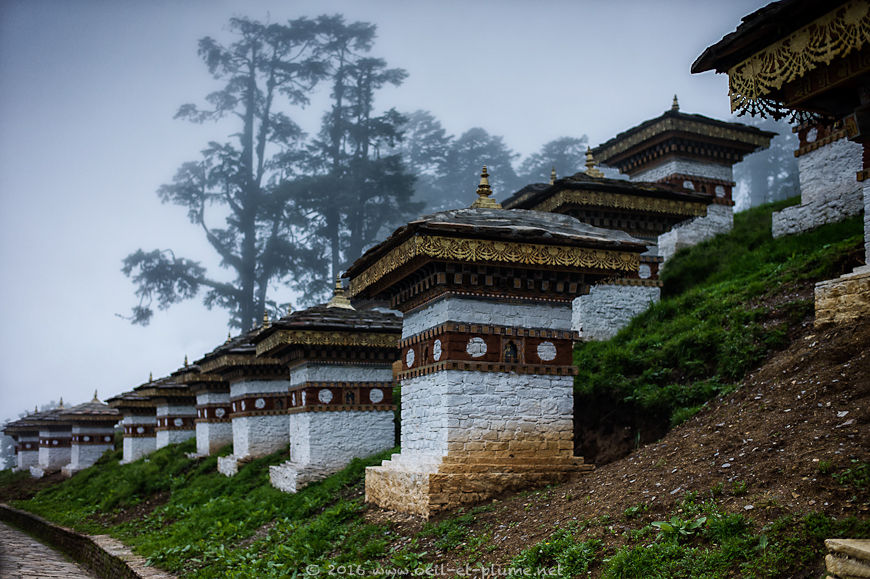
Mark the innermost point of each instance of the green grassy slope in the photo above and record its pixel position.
(726, 304)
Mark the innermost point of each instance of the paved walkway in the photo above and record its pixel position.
(23, 557)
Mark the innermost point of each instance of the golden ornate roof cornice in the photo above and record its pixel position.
(232, 361)
(621, 201)
(283, 338)
(833, 35)
(489, 251)
(680, 124)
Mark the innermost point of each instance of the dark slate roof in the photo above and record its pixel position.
(760, 29)
(678, 115)
(323, 317)
(530, 195)
(129, 399)
(46, 417)
(517, 225)
(241, 344)
(92, 409)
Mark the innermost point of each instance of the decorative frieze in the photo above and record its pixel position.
(140, 430)
(213, 413)
(92, 438)
(174, 422)
(54, 442)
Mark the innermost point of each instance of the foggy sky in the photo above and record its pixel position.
(88, 90)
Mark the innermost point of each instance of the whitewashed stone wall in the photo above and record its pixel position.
(54, 458)
(137, 447)
(85, 455)
(477, 311)
(309, 372)
(867, 223)
(167, 437)
(27, 458)
(255, 436)
(463, 411)
(719, 219)
(322, 443)
(829, 190)
(608, 308)
(685, 167)
(210, 436)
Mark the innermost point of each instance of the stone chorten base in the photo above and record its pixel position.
(228, 465)
(37, 472)
(844, 300)
(292, 477)
(427, 489)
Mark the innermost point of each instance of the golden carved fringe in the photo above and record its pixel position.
(833, 35)
(315, 338)
(619, 201)
(483, 250)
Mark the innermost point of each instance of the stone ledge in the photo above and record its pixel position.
(101, 554)
(848, 558)
(291, 477)
(843, 300)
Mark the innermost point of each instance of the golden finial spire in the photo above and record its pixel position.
(676, 105)
(590, 165)
(289, 309)
(339, 300)
(229, 337)
(96, 399)
(484, 201)
(35, 409)
(552, 175)
(60, 404)
(185, 361)
(266, 323)
(150, 377)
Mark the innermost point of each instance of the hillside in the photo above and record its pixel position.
(756, 428)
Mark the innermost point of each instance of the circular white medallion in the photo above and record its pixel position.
(644, 271)
(720, 191)
(546, 351)
(107, 438)
(325, 395)
(409, 358)
(436, 350)
(219, 412)
(376, 395)
(27, 445)
(178, 422)
(260, 403)
(140, 429)
(86, 438)
(54, 442)
(476, 347)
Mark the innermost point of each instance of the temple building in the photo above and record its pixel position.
(93, 433)
(55, 441)
(174, 408)
(691, 151)
(643, 210)
(25, 436)
(139, 420)
(340, 399)
(811, 60)
(258, 387)
(214, 428)
(486, 350)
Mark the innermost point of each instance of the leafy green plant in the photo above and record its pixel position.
(560, 553)
(676, 527)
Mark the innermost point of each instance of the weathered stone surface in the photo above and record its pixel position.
(844, 300)
(848, 558)
(137, 447)
(719, 219)
(477, 311)
(608, 308)
(685, 167)
(829, 190)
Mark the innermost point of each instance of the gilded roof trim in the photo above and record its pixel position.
(489, 251)
(326, 338)
(830, 36)
(621, 201)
